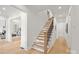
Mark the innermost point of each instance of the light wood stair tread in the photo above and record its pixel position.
(37, 51)
(38, 48)
(40, 40)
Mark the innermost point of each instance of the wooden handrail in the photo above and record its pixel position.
(47, 35)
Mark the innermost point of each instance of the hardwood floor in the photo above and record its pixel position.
(60, 46)
(9, 47)
(13, 47)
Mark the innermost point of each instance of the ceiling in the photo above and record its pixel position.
(8, 10)
(59, 11)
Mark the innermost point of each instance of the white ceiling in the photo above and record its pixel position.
(59, 14)
(9, 11)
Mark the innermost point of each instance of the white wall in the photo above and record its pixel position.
(23, 30)
(34, 25)
(75, 28)
(8, 30)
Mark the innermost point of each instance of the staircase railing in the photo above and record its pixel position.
(47, 34)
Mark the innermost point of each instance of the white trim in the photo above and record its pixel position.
(69, 10)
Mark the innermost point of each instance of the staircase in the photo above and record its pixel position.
(40, 45)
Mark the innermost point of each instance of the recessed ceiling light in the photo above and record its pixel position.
(59, 7)
(4, 8)
(16, 21)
